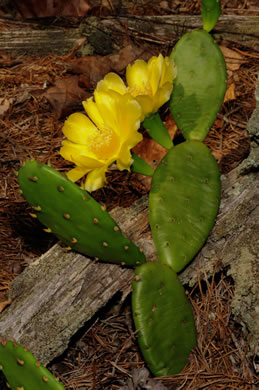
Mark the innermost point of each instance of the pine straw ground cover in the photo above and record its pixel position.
(104, 354)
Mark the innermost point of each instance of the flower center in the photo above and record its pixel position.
(104, 143)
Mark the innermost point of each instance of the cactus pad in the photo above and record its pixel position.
(211, 10)
(23, 371)
(183, 202)
(164, 318)
(200, 84)
(74, 216)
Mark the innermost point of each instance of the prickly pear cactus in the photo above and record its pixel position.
(74, 216)
(183, 202)
(200, 84)
(211, 10)
(163, 317)
(23, 371)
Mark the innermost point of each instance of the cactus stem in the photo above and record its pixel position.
(47, 230)
(60, 188)
(96, 221)
(66, 216)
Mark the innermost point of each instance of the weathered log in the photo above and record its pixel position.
(36, 38)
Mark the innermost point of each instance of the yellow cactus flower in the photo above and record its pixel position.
(150, 83)
(106, 135)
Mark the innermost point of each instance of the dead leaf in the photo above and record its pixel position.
(48, 8)
(91, 69)
(233, 59)
(5, 104)
(127, 55)
(230, 93)
(66, 96)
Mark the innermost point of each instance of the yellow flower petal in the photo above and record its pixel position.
(128, 116)
(78, 154)
(106, 103)
(93, 112)
(77, 127)
(147, 104)
(155, 65)
(162, 96)
(76, 173)
(112, 81)
(137, 77)
(95, 179)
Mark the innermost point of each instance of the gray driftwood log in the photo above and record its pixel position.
(102, 36)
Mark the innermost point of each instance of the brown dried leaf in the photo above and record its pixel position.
(48, 8)
(232, 58)
(127, 55)
(66, 96)
(91, 69)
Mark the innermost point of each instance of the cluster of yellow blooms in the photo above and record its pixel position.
(115, 112)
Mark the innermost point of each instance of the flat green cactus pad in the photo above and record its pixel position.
(200, 84)
(211, 10)
(74, 216)
(23, 371)
(183, 202)
(163, 317)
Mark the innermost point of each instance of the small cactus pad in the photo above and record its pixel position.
(200, 84)
(74, 216)
(163, 318)
(183, 202)
(23, 371)
(211, 10)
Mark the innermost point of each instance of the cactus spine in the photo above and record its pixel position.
(23, 371)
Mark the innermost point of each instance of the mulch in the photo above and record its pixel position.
(105, 354)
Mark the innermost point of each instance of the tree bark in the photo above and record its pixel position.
(102, 36)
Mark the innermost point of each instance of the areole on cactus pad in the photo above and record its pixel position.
(74, 216)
